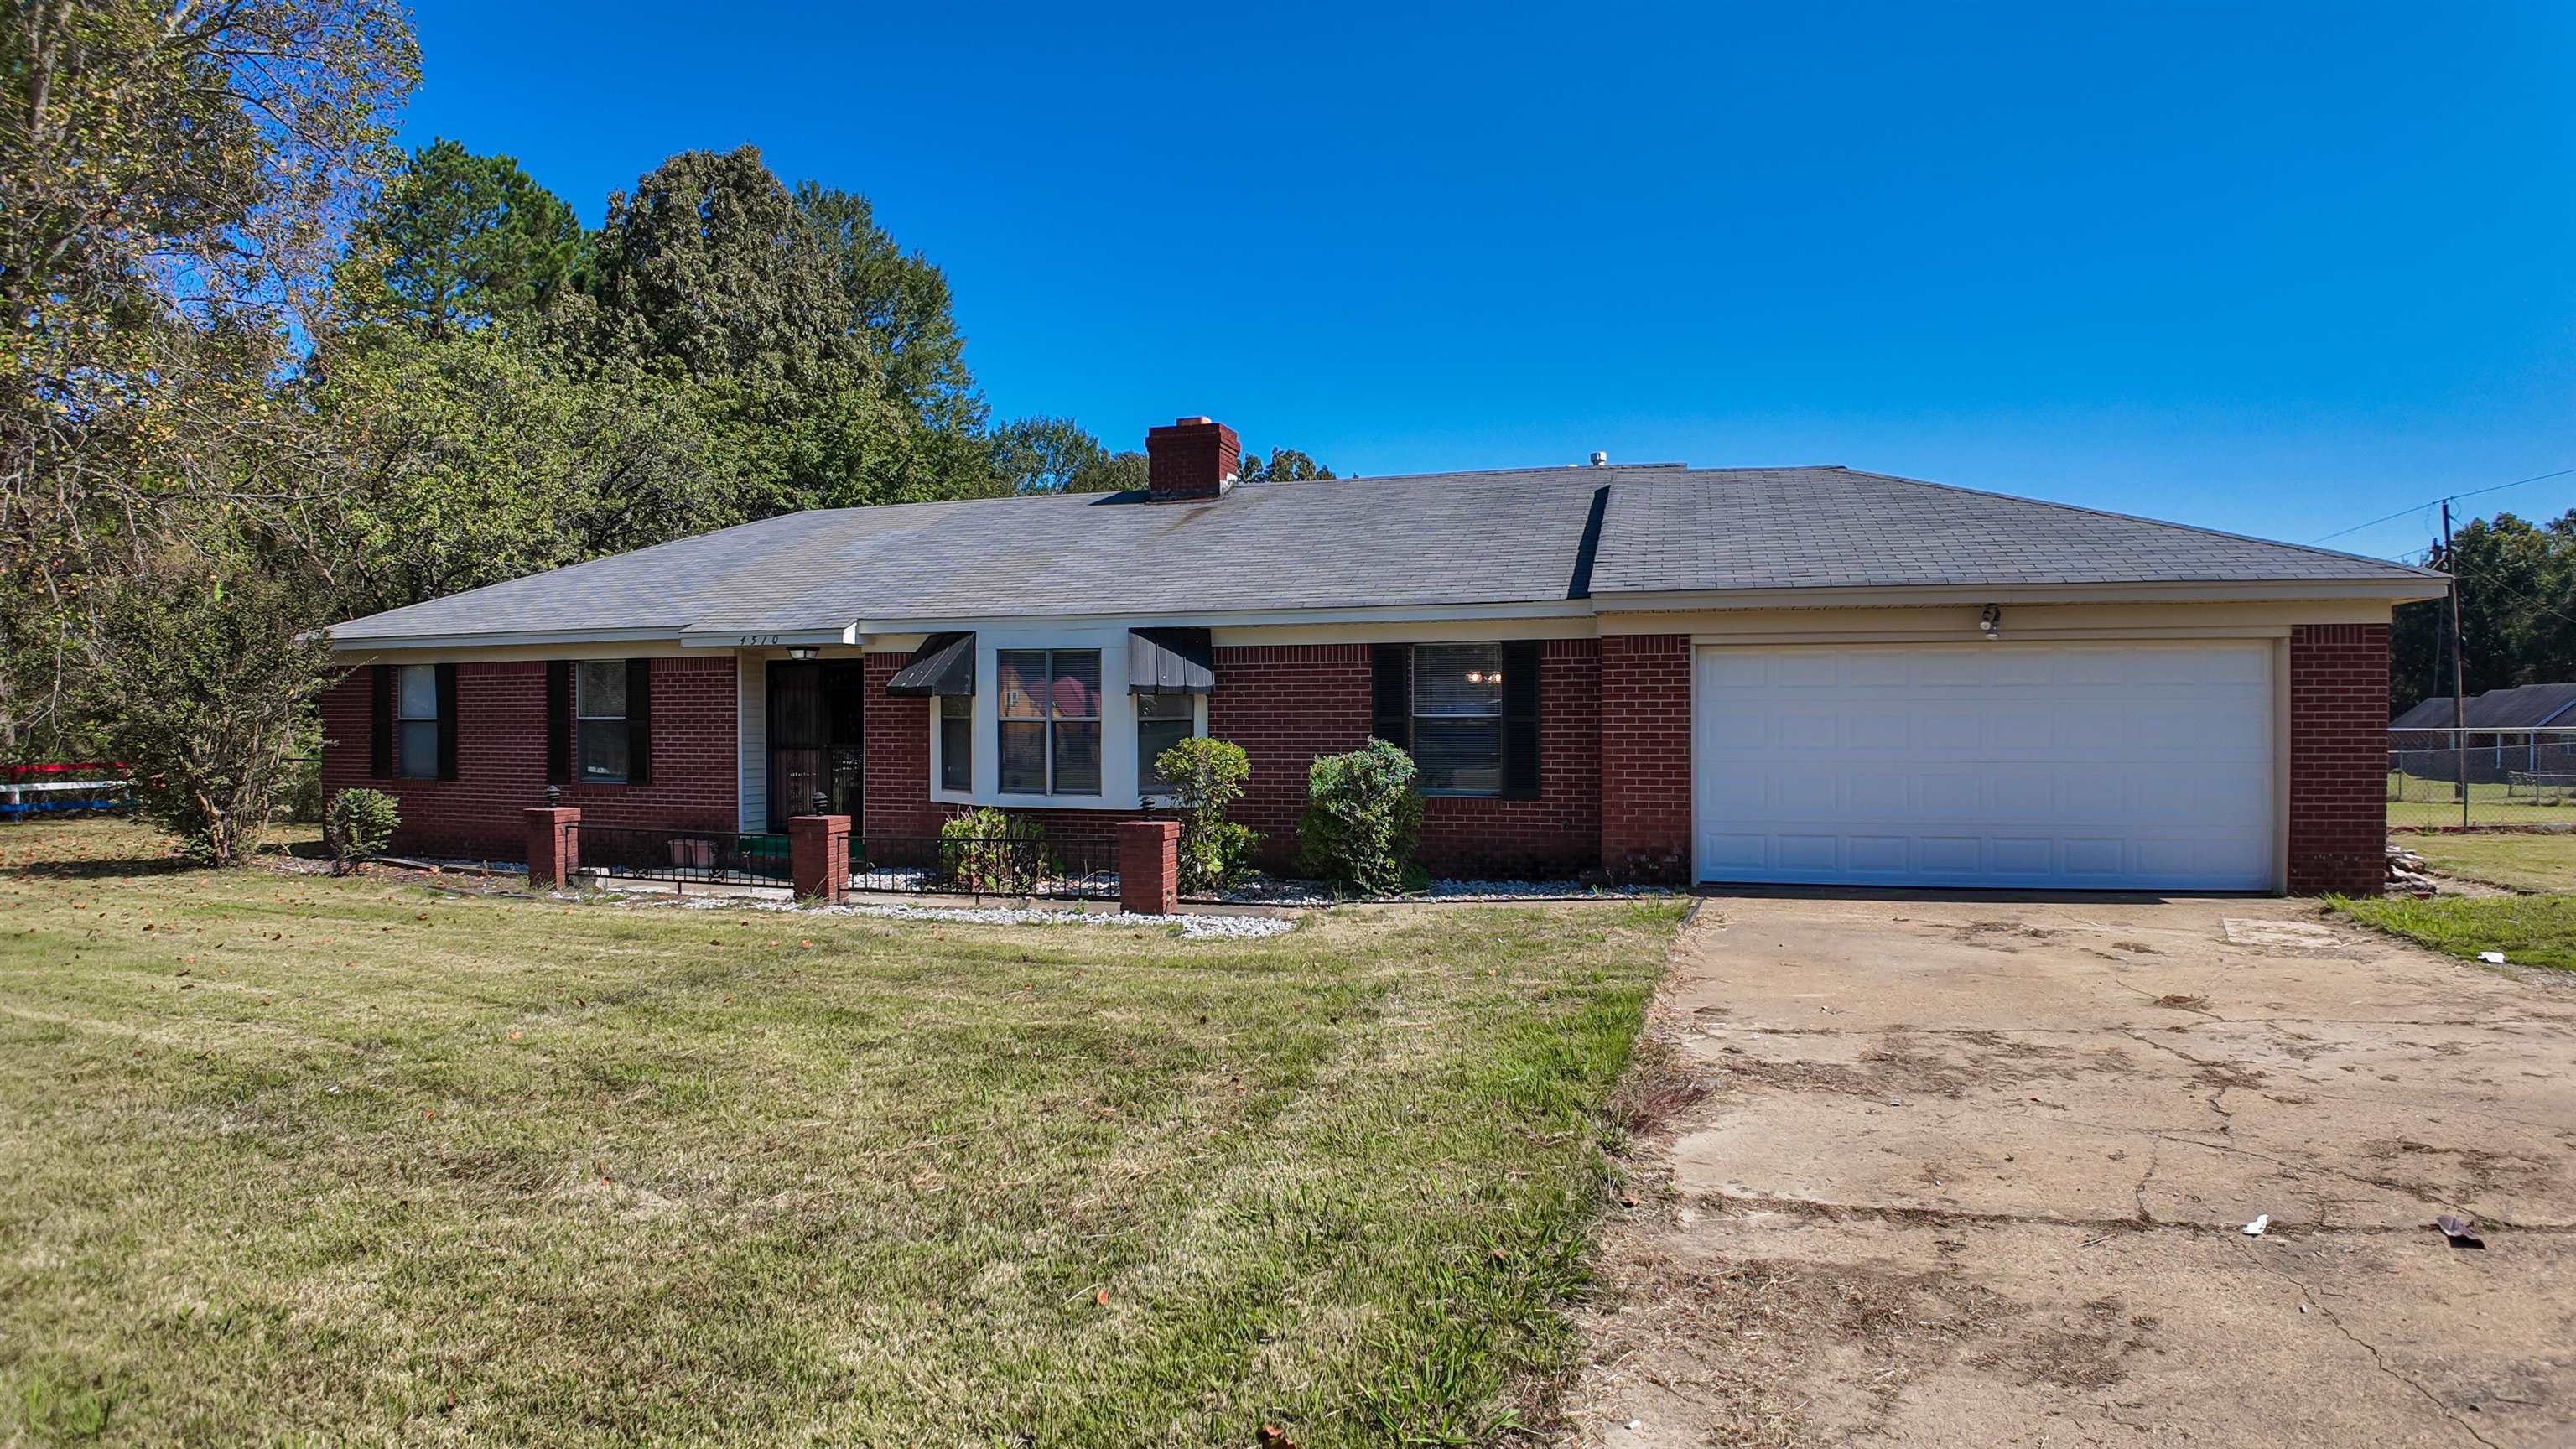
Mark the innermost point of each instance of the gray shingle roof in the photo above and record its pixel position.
(1505, 537)
(1787, 528)
(2526, 706)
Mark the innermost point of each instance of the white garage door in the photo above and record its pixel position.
(2072, 766)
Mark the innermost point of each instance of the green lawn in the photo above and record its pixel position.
(290, 1159)
(2529, 930)
(2518, 860)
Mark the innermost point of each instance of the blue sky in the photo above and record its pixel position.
(2273, 271)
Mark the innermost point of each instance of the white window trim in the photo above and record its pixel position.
(1117, 723)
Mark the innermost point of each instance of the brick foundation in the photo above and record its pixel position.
(501, 759)
(2338, 758)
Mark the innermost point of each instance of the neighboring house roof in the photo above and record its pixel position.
(1517, 537)
(2527, 706)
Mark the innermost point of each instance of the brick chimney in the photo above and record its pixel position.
(1191, 460)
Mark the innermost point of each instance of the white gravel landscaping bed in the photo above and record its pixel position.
(1191, 928)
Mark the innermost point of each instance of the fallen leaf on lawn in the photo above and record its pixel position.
(1101, 1297)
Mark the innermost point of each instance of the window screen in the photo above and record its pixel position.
(416, 716)
(1162, 721)
(956, 742)
(599, 719)
(1458, 718)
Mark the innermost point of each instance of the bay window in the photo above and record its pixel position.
(1162, 721)
(957, 742)
(1047, 733)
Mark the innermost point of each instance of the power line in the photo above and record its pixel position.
(2436, 502)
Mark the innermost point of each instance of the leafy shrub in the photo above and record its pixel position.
(1207, 777)
(1363, 818)
(986, 850)
(358, 825)
(204, 686)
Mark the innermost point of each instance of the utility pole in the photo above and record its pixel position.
(2459, 691)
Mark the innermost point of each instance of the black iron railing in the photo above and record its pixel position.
(994, 866)
(714, 857)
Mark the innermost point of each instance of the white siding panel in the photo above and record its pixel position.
(751, 671)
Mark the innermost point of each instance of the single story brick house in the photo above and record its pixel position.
(1786, 675)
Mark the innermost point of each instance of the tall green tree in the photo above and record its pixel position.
(458, 242)
(174, 181)
(1284, 465)
(2517, 584)
(709, 266)
(898, 304)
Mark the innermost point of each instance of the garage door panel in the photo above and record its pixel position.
(2035, 764)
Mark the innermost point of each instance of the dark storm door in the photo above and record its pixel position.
(797, 735)
(815, 721)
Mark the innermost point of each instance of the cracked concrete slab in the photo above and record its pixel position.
(1970, 1172)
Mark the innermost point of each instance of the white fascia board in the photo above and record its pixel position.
(698, 636)
(1236, 618)
(496, 638)
(2392, 590)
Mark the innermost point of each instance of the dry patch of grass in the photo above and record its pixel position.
(361, 1161)
(2517, 860)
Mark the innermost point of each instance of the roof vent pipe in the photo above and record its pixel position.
(1600, 459)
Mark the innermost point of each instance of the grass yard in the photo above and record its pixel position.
(2521, 860)
(286, 1159)
(2529, 930)
(2417, 802)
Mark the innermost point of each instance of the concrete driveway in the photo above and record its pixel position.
(1972, 1172)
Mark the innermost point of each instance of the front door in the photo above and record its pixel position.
(815, 723)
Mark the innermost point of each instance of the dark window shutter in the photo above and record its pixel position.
(1520, 720)
(559, 721)
(1391, 698)
(380, 737)
(639, 721)
(447, 721)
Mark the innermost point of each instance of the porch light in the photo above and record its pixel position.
(804, 651)
(1991, 622)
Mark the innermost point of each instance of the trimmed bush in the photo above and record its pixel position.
(358, 825)
(986, 850)
(1363, 819)
(1207, 777)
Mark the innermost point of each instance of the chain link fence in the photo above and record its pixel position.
(2451, 777)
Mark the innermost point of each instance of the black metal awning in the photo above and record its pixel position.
(944, 664)
(1170, 661)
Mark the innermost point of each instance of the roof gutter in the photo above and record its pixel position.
(1881, 596)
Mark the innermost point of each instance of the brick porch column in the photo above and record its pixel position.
(554, 845)
(818, 856)
(1149, 867)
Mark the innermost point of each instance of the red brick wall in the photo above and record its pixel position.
(897, 741)
(1286, 704)
(2338, 758)
(501, 759)
(1645, 755)
(1559, 833)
